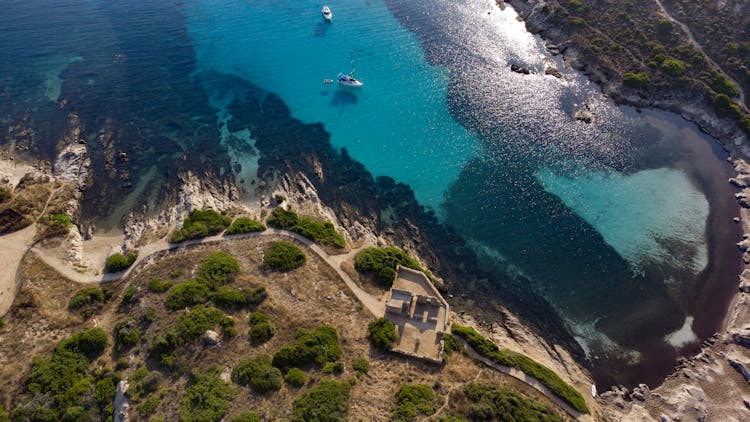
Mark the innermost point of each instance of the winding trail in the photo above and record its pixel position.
(699, 47)
(370, 302)
(13, 247)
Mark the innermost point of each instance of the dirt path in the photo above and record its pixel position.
(13, 247)
(370, 302)
(528, 380)
(699, 47)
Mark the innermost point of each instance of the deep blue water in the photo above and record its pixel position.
(623, 225)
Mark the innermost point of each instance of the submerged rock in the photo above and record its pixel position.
(520, 69)
(553, 72)
(584, 116)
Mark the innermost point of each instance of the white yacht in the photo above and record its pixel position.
(348, 80)
(327, 14)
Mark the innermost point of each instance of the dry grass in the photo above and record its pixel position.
(306, 297)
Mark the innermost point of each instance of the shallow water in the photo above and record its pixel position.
(623, 224)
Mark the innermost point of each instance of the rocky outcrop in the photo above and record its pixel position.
(520, 69)
(121, 402)
(211, 338)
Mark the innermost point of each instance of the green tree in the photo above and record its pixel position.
(382, 333)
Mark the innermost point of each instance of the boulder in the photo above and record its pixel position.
(741, 368)
(520, 69)
(211, 338)
(584, 116)
(553, 72)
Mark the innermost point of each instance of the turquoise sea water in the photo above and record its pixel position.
(624, 225)
(397, 124)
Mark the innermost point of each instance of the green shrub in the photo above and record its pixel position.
(333, 367)
(413, 400)
(725, 107)
(75, 414)
(199, 320)
(2, 323)
(216, 269)
(157, 285)
(104, 391)
(186, 294)
(246, 417)
(149, 406)
(382, 262)
(89, 343)
(90, 298)
(452, 345)
(318, 231)
(60, 220)
(283, 219)
(361, 365)
(127, 334)
(327, 401)
(118, 262)
(295, 377)
(63, 376)
(317, 346)
(530, 367)
(382, 333)
(175, 274)
(283, 256)
(261, 329)
(207, 399)
(635, 80)
(127, 297)
(245, 225)
(200, 224)
(258, 373)
(721, 84)
(238, 299)
(3, 413)
(495, 403)
(673, 67)
(578, 22)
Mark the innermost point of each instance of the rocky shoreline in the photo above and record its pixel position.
(688, 103)
(714, 381)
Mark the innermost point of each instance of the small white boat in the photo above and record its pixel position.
(593, 390)
(348, 80)
(327, 14)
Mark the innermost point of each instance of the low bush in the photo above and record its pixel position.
(725, 107)
(60, 220)
(310, 347)
(199, 224)
(530, 367)
(91, 298)
(149, 405)
(295, 377)
(245, 225)
(175, 274)
(382, 333)
(207, 399)
(673, 67)
(246, 417)
(327, 401)
(127, 297)
(216, 269)
(382, 262)
(186, 294)
(258, 374)
(361, 365)
(452, 345)
(283, 256)
(261, 329)
(199, 320)
(118, 262)
(318, 231)
(721, 84)
(239, 299)
(413, 400)
(487, 402)
(157, 285)
(635, 80)
(333, 367)
(63, 377)
(127, 334)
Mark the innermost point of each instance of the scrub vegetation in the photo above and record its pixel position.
(322, 232)
(382, 262)
(200, 224)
